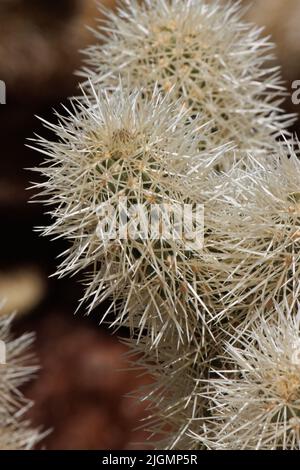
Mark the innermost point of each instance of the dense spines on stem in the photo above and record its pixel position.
(123, 145)
(258, 237)
(217, 64)
(240, 392)
(255, 398)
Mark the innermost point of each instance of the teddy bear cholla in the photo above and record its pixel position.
(178, 106)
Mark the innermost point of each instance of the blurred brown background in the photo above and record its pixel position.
(80, 391)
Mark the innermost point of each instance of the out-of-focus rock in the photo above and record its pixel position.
(22, 290)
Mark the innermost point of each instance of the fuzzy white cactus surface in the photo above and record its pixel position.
(258, 236)
(216, 61)
(117, 147)
(255, 401)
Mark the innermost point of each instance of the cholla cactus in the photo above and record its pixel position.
(17, 367)
(116, 147)
(259, 231)
(215, 61)
(181, 302)
(255, 401)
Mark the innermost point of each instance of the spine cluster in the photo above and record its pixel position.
(17, 366)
